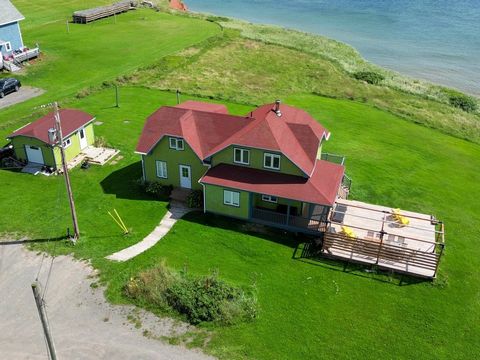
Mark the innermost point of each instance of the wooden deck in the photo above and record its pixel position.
(378, 239)
(89, 15)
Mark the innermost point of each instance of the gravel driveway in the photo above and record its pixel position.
(83, 324)
(25, 93)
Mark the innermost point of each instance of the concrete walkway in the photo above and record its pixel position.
(177, 210)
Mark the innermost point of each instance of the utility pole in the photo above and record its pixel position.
(43, 317)
(65, 173)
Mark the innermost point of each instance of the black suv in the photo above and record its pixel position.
(8, 85)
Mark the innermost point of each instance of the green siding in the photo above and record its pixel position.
(173, 158)
(51, 156)
(74, 148)
(256, 160)
(19, 143)
(214, 202)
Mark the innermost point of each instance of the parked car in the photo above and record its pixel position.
(9, 85)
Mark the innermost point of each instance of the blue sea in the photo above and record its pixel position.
(436, 40)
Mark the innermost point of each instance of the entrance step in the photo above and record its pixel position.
(180, 194)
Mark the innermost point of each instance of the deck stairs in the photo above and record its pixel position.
(11, 66)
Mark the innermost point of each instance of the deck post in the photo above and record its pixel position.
(382, 233)
(438, 261)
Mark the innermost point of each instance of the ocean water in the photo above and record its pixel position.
(436, 40)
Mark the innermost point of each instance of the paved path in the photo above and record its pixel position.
(177, 210)
(25, 93)
(83, 324)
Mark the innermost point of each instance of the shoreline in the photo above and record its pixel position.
(412, 76)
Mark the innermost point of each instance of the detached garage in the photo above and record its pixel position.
(31, 143)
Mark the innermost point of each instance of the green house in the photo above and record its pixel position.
(31, 143)
(264, 167)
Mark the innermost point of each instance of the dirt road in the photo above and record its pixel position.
(83, 324)
(25, 93)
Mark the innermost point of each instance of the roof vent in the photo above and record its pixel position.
(277, 108)
(52, 135)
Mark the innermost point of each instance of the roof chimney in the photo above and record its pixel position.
(277, 108)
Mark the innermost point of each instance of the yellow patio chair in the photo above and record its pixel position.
(348, 232)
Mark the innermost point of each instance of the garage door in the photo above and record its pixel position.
(34, 154)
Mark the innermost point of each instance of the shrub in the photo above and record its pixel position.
(195, 199)
(369, 77)
(462, 101)
(158, 190)
(198, 298)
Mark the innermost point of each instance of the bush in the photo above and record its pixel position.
(158, 190)
(462, 101)
(369, 77)
(199, 298)
(195, 199)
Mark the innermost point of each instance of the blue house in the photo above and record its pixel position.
(10, 34)
(12, 50)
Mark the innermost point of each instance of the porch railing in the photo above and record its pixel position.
(289, 221)
(337, 159)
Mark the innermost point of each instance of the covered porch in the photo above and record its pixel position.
(288, 214)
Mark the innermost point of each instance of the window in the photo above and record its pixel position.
(176, 143)
(67, 143)
(231, 198)
(161, 169)
(241, 156)
(271, 161)
(8, 46)
(269, 198)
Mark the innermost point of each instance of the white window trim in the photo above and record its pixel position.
(67, 143)
(242, 152)
(165, 175)
(229, 198)
(8, 46)
(268, 198)
(174, 142)
(273, 156)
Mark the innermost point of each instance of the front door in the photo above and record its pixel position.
(83, 138)
(185, 177)
(34, 154)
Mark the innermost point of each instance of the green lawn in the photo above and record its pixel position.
(99, 52)
(308, 309)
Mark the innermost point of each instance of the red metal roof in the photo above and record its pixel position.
(207, 128)
(203, 106)
(320, 188)
(71, 120)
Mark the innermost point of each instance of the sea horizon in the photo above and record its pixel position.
(437, 41)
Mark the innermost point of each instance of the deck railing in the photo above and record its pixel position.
(385, 255)
(289, 221)
(337, 159)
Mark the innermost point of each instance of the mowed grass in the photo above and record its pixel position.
(99, 52)
(307, 309)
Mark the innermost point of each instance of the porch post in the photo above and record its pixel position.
(288, 212)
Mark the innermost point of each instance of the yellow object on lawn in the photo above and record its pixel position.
(348, 231)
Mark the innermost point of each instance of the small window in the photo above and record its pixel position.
(269, 198)
(176, 144)
(161, 169)
(67, 143)
(8, 46)
(241, 156)
(271, 161)
(231, 198)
